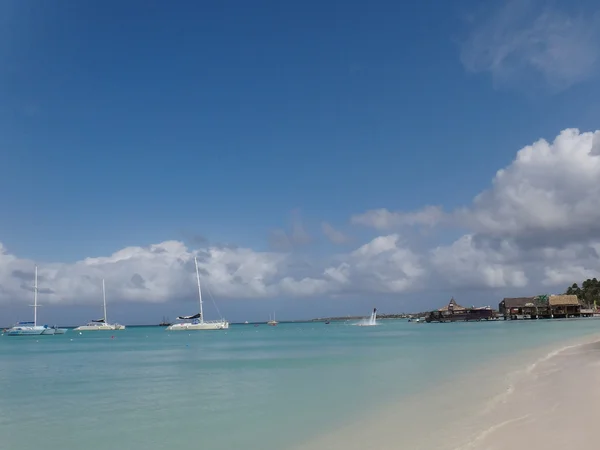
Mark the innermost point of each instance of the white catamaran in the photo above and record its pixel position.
(31, 328)
(272, 322)
(101, 324)
(196, 322)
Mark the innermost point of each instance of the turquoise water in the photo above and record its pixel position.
(254, 388)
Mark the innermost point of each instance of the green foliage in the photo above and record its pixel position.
(588, 293)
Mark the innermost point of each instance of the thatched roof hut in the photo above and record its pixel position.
(564, 300)
(452, 306)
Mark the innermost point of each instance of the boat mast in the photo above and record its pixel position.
(104, 301)
(199, 290)
(35, 305)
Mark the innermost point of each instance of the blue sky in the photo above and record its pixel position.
(132, 123)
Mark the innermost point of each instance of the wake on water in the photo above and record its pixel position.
(370, 322)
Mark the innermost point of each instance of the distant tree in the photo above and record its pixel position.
(588, 293)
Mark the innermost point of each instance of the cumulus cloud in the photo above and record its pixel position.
(477, 261)
(333, 234)
(550, 194)
(595, 145)
(528, 40)
(383, 219)
(165, 271)
(469, 263)
(384, 265)
(536, 228)
(154, 273)
(539, 223)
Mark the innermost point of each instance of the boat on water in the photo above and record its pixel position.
(196, 321)
(58, 330)
(165, 322)
(272, 322)
(31, 328)
(101, 324)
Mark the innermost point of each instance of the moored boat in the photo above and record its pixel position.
(101, 324)
(31, 328)
(196, 321)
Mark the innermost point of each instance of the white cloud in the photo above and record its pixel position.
(536, 227)
(333, 234)
(467, 263)
(165, 271)
(383, 219)
(539, 223)
(145, 274)
(572, 263)
(567, 275)
(384, 265)
(524, 40)
(550, 193)
(596, 145)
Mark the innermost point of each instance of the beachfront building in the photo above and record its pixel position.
(563, 306)
(453, 312)
(514, 308)
(541, 307)
(517, 307)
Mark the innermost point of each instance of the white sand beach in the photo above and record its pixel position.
(546, 398)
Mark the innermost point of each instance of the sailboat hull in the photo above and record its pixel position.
(103, 327)
(216, 325)
(27, 331)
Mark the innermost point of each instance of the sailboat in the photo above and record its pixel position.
(165, 322)
(272, 322)
(31, 328)
(101, 324)
(196, 321)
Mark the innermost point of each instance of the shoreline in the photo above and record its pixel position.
(474, 410)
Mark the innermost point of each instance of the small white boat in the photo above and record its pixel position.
(101, 324)
(31, 328)
(196, 321)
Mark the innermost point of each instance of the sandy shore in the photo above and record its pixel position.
(547, 398)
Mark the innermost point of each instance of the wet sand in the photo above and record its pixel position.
(547, 398)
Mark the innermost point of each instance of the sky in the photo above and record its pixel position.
(317, 158)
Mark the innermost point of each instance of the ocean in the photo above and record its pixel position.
(248, 387)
